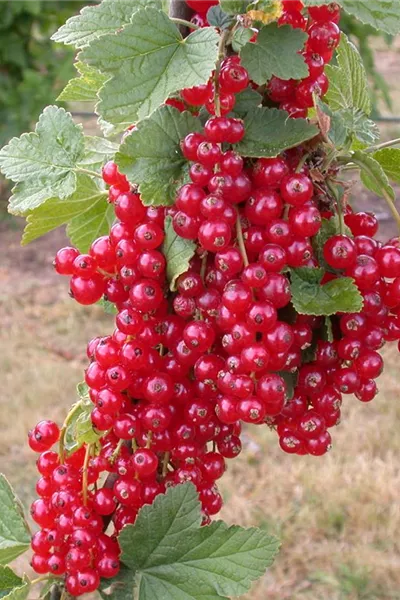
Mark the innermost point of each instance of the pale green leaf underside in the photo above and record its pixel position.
(276, 52)
(98, 151)
(95, 21)
(373, 175)
(309, 297)
(85, 87)
(55, 212)
(42, 163)
(8, 581)
(18, 593)
(178, 560)
(14, 533)
(389, 160)
(146, 68)
(348, 84)
(178, 253)
(151, 157)
(383, 15)
(269, 131)
(83, 229)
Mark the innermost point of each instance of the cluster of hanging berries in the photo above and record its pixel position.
(182, 370)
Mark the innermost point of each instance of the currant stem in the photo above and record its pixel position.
(61, 444)
(203, 266)
(384, 193)
(184, 22)
(165, 462)
(221, 55)
(241, 244)
(116, 452)
(91, 173)
(335, 193)
(88, 453)
(389, 144)
(149, 439)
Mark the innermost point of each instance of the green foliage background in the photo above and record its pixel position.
(33, 70)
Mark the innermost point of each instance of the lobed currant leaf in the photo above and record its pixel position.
(309, 297)
(276, 52)
(83, 88)
(43, 163)
(86, 200)
(97, 152)
(234, 7)
(178, 253)
(389, 160)
(246, 101)
(11, 585)
(145, 69)
(269, 131)
(348, 80)
(179, 560)
(382, 15)
(216, 17)
(151, 156)
(241, 36)
(95, 21)
(96, 221)
(14, 532)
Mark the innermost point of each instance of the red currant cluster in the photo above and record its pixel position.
(181, 371)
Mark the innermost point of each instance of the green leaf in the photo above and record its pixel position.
(373, 175)
(14, 532)
(83, 229)
(348, 83)
(234, 7)
(246, 101)
(269, 131)
(276, 52)
(95, 21)
(8, 581)
(97, 152)
(179, 560)
(241, 36)
(389, 160)
(80, 429)
(151, 156)
(178, 253)
(328, 330)
(358, 124)
(290, 380)
(55, 212)
(309, 297)
(12, 587)
(218, 18)
(149, 60)
(120, 587)
(383, 15)
(109, 307)
(42, 163)
(85, 87)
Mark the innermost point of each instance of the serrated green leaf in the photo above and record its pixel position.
(97, 152)
(108, 307)
(216, 17)
(14, 532)
(120, 587)
(55, 212)
(83, 229)
(389, 160)
(276, 52)
(149, 60)
(382, 15)
(269, 131)
(18, 593)
(372, 175)
(8, 581)
(309, 297)
(358, 124)
(179, 560)
(42, 163)
(234, 7)
(151, 156)
(95, 21)
(241, 36)
(348, 83)
(246, 101)
(82, 390)
(85, 87)
(178, 253)
(80, 429)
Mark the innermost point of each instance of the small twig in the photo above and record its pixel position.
(165, 462)
(61, 448)
(241, 244)
(334, 191)
(91, 173)
(389, 144)
(184, 22)
(85, 473)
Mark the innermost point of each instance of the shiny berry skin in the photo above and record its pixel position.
(369, 364)
(145, 462)
(199, 336)
(111, 175)
(201, 6)
(347, 380)
(320, 445)
(209, 154)
(190, 144)
(64, 260)
(388, 259)
(306, 90)
(233, 79)
(297, 189)
(87, 291)
(365, 272)
(305, 221)
(44, 435)
(294, 19)
(367, 391)
(214, 235)
(362, 223)
(340, 252)
(104, 502)
(323, 37)
(331, 12)
(198, 95)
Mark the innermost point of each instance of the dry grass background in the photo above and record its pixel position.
(338, 517)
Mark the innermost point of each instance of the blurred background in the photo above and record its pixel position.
(338, 516)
